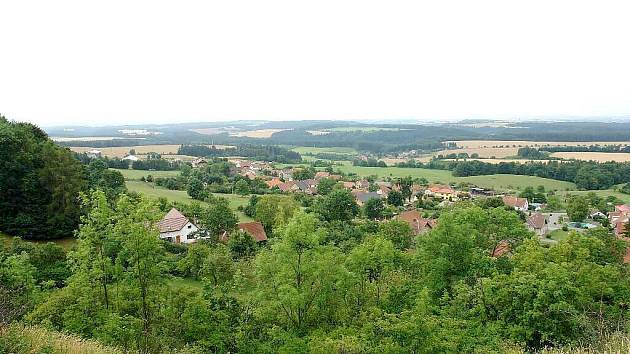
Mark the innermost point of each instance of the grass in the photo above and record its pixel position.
(152, 191)
(17, 338)
(558, 235)
(497, 182)
(178, 283)
(137, 174)
(603, 193)
(67, 242)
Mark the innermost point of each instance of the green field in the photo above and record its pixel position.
(604, 193)
(152, 191)
(137, 174)
(497, 182)
(558, 235)
(317, 150)
(67, 242)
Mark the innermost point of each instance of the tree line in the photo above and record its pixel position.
(256, 152)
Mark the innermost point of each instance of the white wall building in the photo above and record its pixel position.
(175, 227)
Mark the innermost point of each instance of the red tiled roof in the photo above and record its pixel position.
(172, 221)
(502, 249)
(273, 182)
(255, 229)
(624, 208)
(537, 221)
(514, 202)
(416, 221)
(441, 189)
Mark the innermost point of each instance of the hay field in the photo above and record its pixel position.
(484, 152)
(594, 156)
(260, 133)
(522, 143)
(497, 161)
(122, 151)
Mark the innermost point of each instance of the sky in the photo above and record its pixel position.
(133, 62)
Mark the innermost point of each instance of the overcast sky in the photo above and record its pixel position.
(106, 62)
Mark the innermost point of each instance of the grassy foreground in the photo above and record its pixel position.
(30, 339)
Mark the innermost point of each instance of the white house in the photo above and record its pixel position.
(130, 158)
(175, 227)
(94, 153)
(517, 203)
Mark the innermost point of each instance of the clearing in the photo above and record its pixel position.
(137, 174)
(152, 191)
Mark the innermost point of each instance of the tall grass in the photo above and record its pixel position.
(31, 339)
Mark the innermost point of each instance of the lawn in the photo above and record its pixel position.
(152, 191)
(558, 235)
(137, 174)
(178, 283)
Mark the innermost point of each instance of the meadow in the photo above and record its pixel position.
(135, 175)
(122, 151)
(152, 191)
(497, 182)
(594, 156)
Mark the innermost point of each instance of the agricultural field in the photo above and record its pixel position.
(122, 151)
(135, 175)
(259, 133)
(594, 156)
(318, 150)
(496, 161)
(363, 129)
(152, 191)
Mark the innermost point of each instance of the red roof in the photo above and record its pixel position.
(514, 202)
(537, 221)
(255, 229)
(441, 189)
(502, 249)
(624, 208)
(273, 182)
(416, 221)
(172, 221)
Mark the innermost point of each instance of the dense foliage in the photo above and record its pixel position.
(39, 183)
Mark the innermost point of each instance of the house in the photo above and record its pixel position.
(93, 153)
(290, 186)
(322, 174)
(517, 203)
(418, 224)
(307, 186)
(383, 190)
(619, 218)
(130, 158)
(175, 227)
(362, 197)
(362, 184)
(441, 191)
(200, 162)
(503, 248)
(286, 174)
(255, 229)
(348, 185)
(480, 192)
(274, 182)
(537, 222)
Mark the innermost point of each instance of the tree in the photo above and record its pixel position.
(398, 232)
(241, 187)
(297, 275)
(195, 188)
(577, 208)
(370, 260)
(304, 173)
(405, 184)
(374, 208)
(338, 205)
(325, 186)
(242, 244)
(395, 198)
(219, 217)
(275, 210)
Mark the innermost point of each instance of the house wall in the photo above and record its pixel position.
(183, 233)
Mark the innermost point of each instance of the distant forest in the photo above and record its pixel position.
(396, 137)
